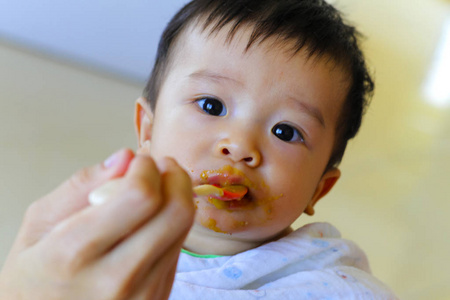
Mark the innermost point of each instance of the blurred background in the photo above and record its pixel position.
(70, 72)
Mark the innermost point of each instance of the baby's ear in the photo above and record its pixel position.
(143, 121)
(326, 183)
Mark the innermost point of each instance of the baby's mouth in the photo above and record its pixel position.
(226, 188)
(233, 192)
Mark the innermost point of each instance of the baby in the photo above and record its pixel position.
(257, 99)
(261, 94)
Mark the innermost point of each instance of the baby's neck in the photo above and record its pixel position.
(204, 241)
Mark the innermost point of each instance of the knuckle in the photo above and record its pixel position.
(31, 222)
(34, 219)
(33, 211)
(143, 192)
(81, 178)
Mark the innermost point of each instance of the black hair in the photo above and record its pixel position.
(312, 25)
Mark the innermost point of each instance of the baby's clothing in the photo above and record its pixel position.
(313, 262)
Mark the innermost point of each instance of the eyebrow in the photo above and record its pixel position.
(205, 74)
(309, 109)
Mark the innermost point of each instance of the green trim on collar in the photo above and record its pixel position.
(200, 255)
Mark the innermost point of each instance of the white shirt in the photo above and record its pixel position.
(313, 262)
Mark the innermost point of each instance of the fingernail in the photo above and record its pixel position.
(112, 160)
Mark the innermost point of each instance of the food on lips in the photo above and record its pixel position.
(229, 192)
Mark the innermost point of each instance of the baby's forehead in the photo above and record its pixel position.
(272, 48)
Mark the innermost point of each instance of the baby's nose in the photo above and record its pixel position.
(240, 151)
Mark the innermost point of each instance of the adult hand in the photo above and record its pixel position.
(126, 248)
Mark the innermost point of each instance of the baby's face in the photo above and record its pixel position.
(264, 119)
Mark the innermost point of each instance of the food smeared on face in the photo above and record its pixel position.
(229, 190)
(212, 224)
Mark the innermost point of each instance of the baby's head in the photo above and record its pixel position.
(263, 93)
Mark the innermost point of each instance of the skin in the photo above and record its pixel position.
(259, 89)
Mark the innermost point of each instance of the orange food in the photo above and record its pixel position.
(234, 192)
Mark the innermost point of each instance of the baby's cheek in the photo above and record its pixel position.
(282, 212)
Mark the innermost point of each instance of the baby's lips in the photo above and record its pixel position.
(226, 193)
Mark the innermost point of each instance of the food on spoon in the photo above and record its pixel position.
(208, 190)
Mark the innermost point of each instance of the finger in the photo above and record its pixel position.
(145, 148)
(155, 282)
(166, 290)
(142, 167)
(139, 166)
(95, 230)
(71, 196)
(154, 238)
(159, 278)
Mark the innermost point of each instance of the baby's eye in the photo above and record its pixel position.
(287, 133)
(212, 106)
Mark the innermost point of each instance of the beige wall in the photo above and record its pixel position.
(392, 198)
(54, 119)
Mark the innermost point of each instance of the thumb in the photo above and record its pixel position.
(71, 196)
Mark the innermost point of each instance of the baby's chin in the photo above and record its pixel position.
(237, 225)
